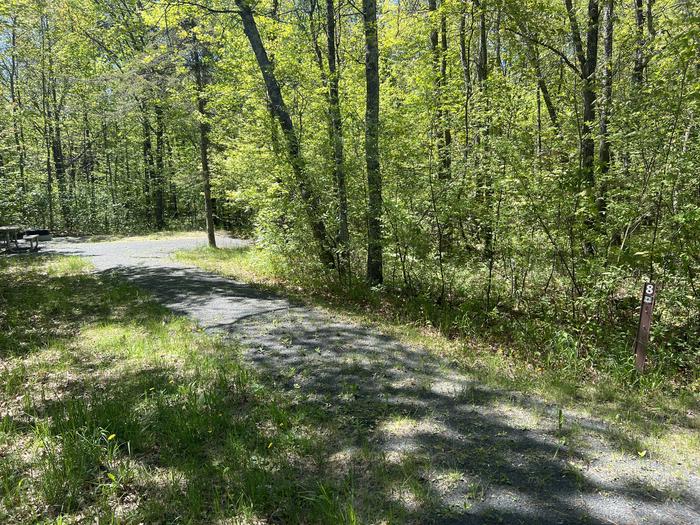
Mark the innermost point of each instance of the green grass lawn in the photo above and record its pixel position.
(647, 415)
(112, 410)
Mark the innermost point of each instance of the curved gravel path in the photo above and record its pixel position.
(485, 456)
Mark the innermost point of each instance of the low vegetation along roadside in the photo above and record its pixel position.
(112, 410)
(659, 413)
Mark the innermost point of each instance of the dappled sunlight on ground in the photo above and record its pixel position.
(394, 432)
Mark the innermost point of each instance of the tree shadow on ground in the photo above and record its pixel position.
(439, 444)
(213, 300)
(346, 422)
(406, 403)
(220, 304)
(38, 308)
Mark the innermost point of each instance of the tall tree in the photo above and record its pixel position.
(200, 67)
(588, 63)
(148, 163)
(158, 174)
(16, 102)
(606, 107)
(337, 139)
(310, 199)
(638, 73)
(375, 273)
(465, 48)
(54, 108)
(438, 47)
(484, 181)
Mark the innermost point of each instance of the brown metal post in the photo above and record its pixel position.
(642, 339)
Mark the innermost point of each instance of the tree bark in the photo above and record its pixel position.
(484, 183)
(638, 72)
(147, 150)
(446, 131)
(337, 139)
(542, 85)
(87, 165)
(202, 79)
(375, 273)
(108, 161)
(438, 47)
(47, 137)
(159, 173)
(16, 103)
(588, 61)
(534, 58)
(465, 59)
(605, 108)
(54, 120)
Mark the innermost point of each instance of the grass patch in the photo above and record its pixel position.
(67, 266)
(642, 414)
(113, 410)
(247, 264)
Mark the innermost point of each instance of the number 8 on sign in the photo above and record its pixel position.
(643, 331)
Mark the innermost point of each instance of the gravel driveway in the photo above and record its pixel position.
(487, 456)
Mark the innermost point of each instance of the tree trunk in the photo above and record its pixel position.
(310, 199)
(544, 90)
(438, 48)
(484, 182)
(497, 30)
(638, 72)
(375, 274)
(147, 149)
(589, 95)
(87, 166)
(446, 132)
(465, 59)
(56, 142)
(16, 103)
(47, 139)
(108, 162)
(533, 56)
(172, 187)
(159, 175)
(605, 108)
(484, 185)
(588, 63)
(337, 139)
(202, 79)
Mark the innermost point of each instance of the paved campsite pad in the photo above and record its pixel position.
(485, 455)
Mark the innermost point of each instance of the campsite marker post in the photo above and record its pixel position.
(642, 339)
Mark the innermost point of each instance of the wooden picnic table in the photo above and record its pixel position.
(9, 234)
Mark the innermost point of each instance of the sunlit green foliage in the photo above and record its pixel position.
(514, 234)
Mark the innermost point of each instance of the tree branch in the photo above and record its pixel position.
(554, 50)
